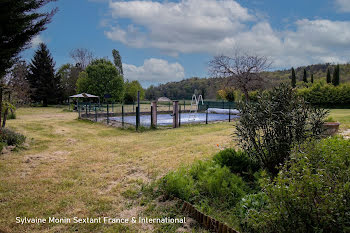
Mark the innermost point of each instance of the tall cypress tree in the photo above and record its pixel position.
(294, 79)
(312, 78)
(329, 79)
(305, 76)
(45, 86)
(117, 61)
(336, 76)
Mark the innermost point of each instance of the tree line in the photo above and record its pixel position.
(41, 83)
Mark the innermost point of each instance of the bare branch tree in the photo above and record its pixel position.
(82, 57)
(242, 70)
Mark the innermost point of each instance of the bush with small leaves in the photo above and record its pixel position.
(310, 194)
(270, 127)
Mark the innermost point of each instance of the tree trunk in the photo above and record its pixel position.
(5, 117)
(45, 102)
(0, 106)
(246, 95)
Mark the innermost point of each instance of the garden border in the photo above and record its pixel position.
(208, 222)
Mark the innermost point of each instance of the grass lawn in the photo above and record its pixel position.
(76, 168)
(342, 116)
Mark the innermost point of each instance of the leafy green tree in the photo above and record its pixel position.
(19, 23)
(44, 84)
(18, 84)
(336, 76)
(131, 89)
(102, 77)
(117, 61)
(294, 79)
(68, 74)
(329, 78)
(305, 76)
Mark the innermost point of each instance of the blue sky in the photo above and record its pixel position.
(162, 41)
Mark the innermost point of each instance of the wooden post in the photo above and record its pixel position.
(86, 111)
(154, 114)
(184, 105)
(175, 114)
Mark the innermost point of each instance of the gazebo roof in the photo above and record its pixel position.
(164, 99)
(83, 95)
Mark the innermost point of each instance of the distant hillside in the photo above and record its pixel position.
(208, 87)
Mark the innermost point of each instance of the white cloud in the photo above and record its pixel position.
(36, 40)
(343, 5)
(154, 70)
(219, 26)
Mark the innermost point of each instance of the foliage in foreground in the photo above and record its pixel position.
(270, 127)
(11, 138)
(214, 186)
(310, 194)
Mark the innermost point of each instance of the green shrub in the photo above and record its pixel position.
(180, 184)
(221, 185)
(310, 194)
(327, 95)
(237, 161)
(12, 138)
(249, 205)
(2, 145)
(11, 115)
(205, 180)
(269, 128)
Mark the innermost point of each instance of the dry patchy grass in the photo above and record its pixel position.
(78, 168)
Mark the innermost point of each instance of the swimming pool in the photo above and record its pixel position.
(167, 119)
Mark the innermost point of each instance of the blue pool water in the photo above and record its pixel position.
(167, 119)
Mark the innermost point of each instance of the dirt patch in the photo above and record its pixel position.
(33, 161)
(346, 134)
(71, 141)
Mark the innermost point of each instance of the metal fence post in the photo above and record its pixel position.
(123, 115)
(175, 114)
(206, 116)
(229, 113)
(137, 118)
(107, 114)
(152, 117)
(179, 115)
(78, 108)
(95, 114)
